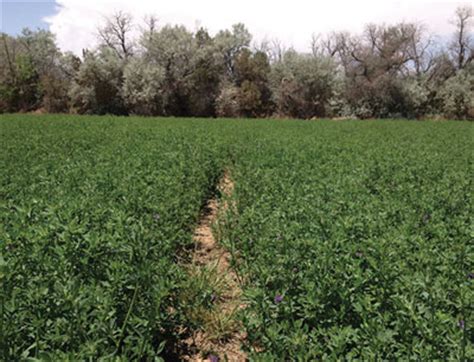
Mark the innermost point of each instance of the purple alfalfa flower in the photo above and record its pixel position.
(461, 324)
(278, 299)
(426, 218)
(213, 358)
(470, 276)
(156, 217)
(213, 297)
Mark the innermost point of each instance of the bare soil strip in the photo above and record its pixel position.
(222, 335)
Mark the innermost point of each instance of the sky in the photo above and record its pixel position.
(16, 15)
(75, 22)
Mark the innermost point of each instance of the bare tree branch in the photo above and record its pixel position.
(462, 44)
(115, 34)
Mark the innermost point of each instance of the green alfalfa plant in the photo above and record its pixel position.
(3, 287)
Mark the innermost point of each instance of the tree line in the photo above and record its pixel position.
(397, 70)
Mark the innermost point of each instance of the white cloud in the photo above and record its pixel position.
(293, 21)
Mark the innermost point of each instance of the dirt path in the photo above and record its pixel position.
(222, 335)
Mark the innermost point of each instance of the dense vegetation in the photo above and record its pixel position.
(394, 71)
(93, 214)
(353, 239)
(356, 240)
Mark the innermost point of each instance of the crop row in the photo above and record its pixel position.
(353, 239)
(94, 214)
(356, 240)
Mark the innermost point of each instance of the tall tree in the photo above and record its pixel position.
(229, 44)
(116, 34)
(174, 49)
(206, 78)
(462, 45)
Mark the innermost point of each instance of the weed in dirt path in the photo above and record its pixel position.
(219, 334)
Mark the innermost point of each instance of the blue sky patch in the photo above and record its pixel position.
(16, 15)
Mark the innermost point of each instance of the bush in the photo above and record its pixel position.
(142, 89)
(227, 103)
(457, 96)
(303, 85)
(98, 84)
